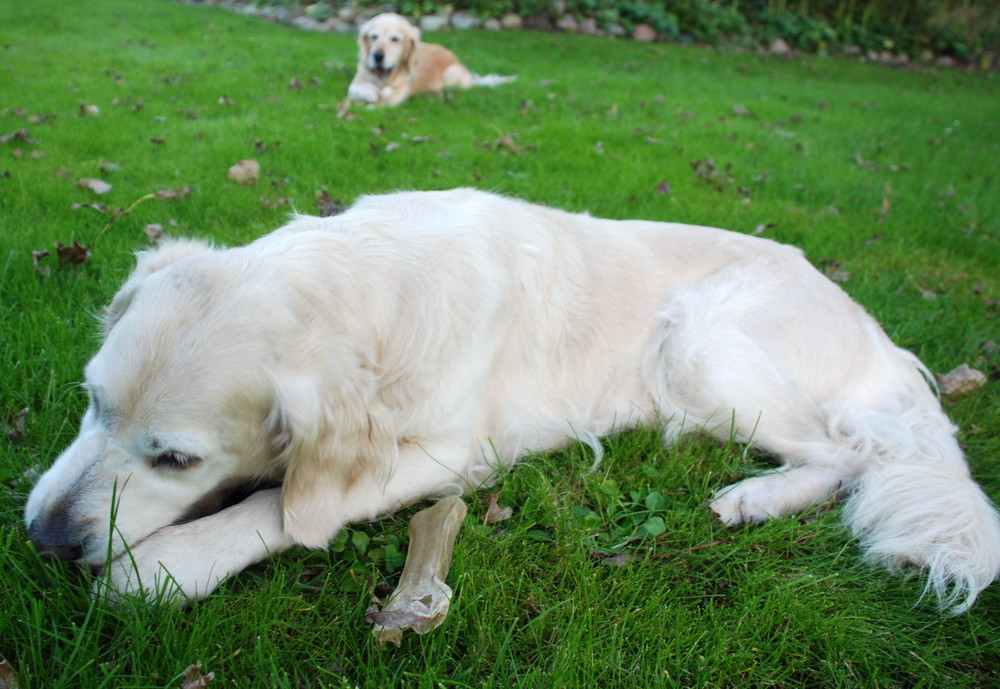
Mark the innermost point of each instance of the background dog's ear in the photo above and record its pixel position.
(147, 263)
(337, 436)
(363, 37)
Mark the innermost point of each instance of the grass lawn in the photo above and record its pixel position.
(886, 178)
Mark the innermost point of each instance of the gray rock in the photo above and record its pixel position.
(463, 21)
(433, 22)
(492, 24)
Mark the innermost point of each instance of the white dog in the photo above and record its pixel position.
(411, 346)
(394, 64)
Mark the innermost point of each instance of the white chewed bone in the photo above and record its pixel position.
(421, 600)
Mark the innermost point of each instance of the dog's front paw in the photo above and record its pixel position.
(159, 569)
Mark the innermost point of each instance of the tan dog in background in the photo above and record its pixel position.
(394, 64)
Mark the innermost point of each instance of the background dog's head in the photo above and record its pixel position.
(213, 374)
(387, 42)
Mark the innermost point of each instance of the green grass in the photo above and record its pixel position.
(600, 124)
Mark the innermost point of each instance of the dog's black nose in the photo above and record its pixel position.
(378, 55)
(54, 543)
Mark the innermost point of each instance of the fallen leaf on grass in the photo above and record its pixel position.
(174, 194)
(295, 84)
(663, 188)
(245, 172)
(832, 269)
(72, 255)
(611, 559)
(17, 135)
(36, 258)
(741, 110)
(960, 380)
(707, 171)
(274, 204)
(89, 110)
(8, 680)
(495, 513)
(193, 679)
(344, 110)
(16, 431)
(154, 232)
(99, 207)
(97, 186)
(328, 205)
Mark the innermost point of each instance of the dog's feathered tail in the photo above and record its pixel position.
(916, 505)
(491, 80)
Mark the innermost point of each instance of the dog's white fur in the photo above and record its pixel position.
(394, 64)
(415, 344)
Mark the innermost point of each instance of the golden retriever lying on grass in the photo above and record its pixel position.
(394, 64)
(417, 343)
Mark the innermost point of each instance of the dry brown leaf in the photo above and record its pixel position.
(36, 257)
(193, 679)
(16, 429)
(72, 255)
(154, 231)
(495, 513)
(507, 141)
(295, 84)
(99, 207)
(89, 110)
(611, 559)
(274, 204)
(17, 135)
(245, 172)
(174, 194)
(327, 204)
(98, 186)
(8, 680)
(344, 110)
(663, 188)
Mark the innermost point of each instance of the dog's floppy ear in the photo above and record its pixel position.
(363, 37)
(147, 263)
(413, 38)
(335, 436)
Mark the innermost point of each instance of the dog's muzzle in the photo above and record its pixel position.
(54, 541)
(378, 66)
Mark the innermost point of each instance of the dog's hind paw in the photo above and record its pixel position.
(741, 503)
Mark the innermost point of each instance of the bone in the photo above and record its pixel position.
(421, 599)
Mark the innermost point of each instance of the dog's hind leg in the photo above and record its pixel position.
(718, 364)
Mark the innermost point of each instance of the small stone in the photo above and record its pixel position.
(779, 47)
(492, 24)
(588, 26)
(960, 380)
(568, 24)
(644, 33)
(512, 22)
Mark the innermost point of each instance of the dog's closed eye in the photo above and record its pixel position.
(173, 461)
